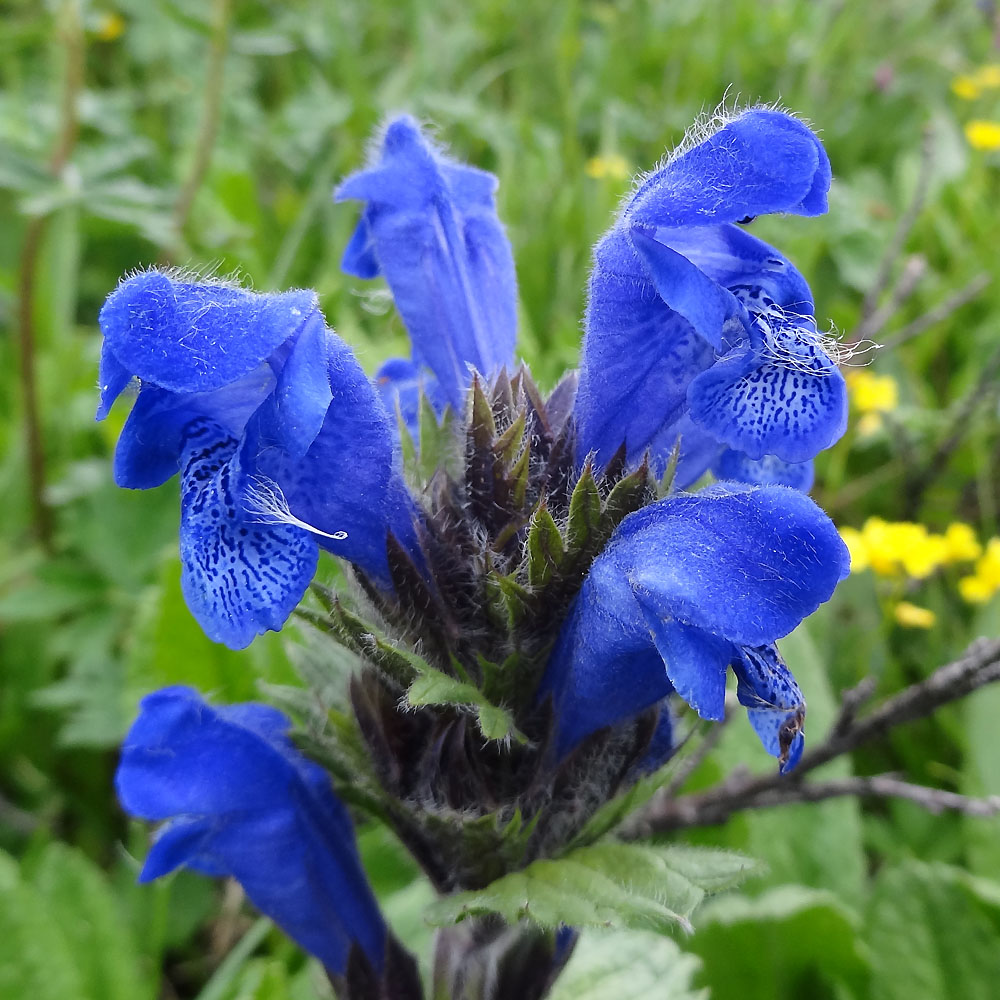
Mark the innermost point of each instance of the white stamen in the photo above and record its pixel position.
(265, 501)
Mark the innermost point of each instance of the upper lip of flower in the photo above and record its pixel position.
(668, 271)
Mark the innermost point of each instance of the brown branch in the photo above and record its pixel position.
(880, 786)
(70, 37)
(978, 666)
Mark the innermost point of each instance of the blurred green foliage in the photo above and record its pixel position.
(210, 136)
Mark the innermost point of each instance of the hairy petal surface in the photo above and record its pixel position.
(239, 800)
(194, 336)
(430, 228)
(761, 161)
(682, 587)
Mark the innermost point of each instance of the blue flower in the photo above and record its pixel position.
(430, 227)
(238, 800)
(280, 439)
(686, 588)
(696, 329)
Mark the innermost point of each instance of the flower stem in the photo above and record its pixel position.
(70, 39)
(211, 108)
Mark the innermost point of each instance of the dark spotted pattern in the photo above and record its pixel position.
(240, 578)
(776, 708)
(781, 394)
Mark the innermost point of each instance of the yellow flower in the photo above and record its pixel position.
(611, 167)
(966, 87)
(901, 547)
(988, 77)
(975, 590)
(855, 543)
(873, 393)
(983, 135)
(963, 546)
(110, 25)
(988, 564)
(911, 616)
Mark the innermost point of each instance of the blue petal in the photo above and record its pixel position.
(746, 564)
(194, 337)
(734, 258)
(348, 483)
(240, 578)
(762, 161)
(789, 408)
(176, 844)
(712, 310)
(302, 395)
(432, 229)
(684, 581)
(767, 471)
(241, 802)
(113, 377)
(182, 758)
(359, 256)
(150, 444)
(774, 703)
(696, 661)
(638, 359)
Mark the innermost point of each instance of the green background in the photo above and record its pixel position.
(256, 109)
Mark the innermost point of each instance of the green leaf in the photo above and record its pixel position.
(604, 885)
(103, 945)
(628, 965)
(51, 948)
(934, 931)
(791, 941)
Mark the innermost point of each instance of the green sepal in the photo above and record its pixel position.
(434, 687)
(584, 512)
(545, 548)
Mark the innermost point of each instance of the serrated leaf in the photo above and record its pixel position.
(604, 885)
(584, 512)
(545, 548)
